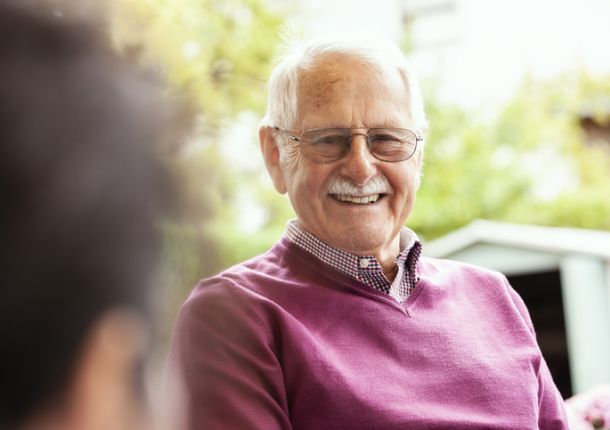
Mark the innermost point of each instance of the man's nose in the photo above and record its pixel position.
(359, 164)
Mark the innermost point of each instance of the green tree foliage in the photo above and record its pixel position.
(218, 51)
(531, 163)
(218, 54)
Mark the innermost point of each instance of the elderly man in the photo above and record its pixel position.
(341, 325)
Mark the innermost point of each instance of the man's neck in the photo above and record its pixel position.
(387, 259)
(384, 253)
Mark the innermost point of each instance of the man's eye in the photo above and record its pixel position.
(384, 138)
(329, 140)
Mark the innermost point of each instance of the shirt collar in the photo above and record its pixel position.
(361, 267)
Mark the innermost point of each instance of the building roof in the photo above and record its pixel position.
(552, 240)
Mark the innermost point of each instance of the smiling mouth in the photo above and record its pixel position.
(358, 200)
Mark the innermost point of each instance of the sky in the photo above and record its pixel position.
(478, 50)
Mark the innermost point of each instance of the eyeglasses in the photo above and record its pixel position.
(325, 145)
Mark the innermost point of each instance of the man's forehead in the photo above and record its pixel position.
(331, 73)
(339, 77)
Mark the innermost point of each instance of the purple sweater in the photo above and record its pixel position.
(283, 341)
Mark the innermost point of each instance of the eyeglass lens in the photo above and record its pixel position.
(387, 144)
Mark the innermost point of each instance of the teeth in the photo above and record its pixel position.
(357, 199)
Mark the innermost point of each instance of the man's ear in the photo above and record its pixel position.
(271, 154)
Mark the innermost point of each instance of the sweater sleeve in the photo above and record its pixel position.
(551, 409)
(225, 355)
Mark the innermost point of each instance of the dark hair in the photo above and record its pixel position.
(79, 189)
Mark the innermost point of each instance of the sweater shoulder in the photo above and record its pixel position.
(474, 282)
(237, 280)
(224, 304)
(434, 267)
(462, 280)
(246, 285)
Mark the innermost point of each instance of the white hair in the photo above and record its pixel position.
(300, 56)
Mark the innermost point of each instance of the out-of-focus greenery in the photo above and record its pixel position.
(527, 162)
(530, 163)
(218, 54)
(218, 51)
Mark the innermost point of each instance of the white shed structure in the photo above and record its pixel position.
(563, 274)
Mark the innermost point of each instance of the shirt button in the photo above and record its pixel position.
(364, 263)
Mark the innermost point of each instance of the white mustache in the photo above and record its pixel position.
(376, 185)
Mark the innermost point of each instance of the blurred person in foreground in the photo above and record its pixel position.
(79, 190)
(341, 324)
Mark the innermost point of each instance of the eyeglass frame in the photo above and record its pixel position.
(299, 139)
